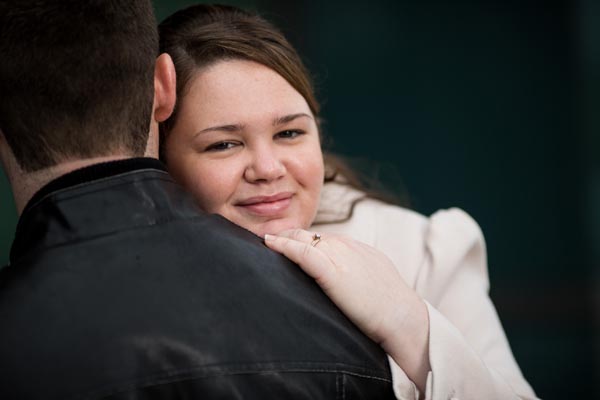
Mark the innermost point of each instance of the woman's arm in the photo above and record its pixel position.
(366, 286)
(458, 350)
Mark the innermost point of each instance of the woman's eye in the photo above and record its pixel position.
(221, 146)
(289, 134)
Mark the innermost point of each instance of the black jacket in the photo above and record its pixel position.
(119, 288)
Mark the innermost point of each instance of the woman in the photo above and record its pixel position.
(244, 139)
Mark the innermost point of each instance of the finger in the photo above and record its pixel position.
(300, 235)
(313, 262)
(303, 236)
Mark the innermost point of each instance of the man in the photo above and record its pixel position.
(118, 287)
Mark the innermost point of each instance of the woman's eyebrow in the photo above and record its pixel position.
(224, 128)
(288, 118)
(239, 127)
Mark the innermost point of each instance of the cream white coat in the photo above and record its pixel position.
(443, 258)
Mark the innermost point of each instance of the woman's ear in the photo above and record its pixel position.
(164, 87)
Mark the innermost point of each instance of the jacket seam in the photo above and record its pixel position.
(185, 374)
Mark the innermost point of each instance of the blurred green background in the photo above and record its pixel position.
(491, 106)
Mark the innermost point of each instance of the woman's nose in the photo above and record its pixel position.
(265, 166)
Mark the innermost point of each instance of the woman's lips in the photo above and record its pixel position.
(267, 206)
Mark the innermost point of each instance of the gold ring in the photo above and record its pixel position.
(316, 238)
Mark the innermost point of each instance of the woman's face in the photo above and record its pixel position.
(247, 146)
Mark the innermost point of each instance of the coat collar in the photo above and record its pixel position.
(93, 201)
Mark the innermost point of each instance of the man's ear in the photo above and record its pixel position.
(7, 159)
(4, 150)
(164, 87)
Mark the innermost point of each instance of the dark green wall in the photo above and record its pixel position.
(486, 105)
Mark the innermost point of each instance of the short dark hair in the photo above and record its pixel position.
(76, 78)
(202, 35)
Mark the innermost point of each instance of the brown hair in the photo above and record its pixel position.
(201, 35)
(76, 78)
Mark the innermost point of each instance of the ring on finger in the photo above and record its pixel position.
(316, 238)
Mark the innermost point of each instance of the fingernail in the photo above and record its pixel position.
(268, 237)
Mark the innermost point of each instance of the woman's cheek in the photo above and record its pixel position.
(317, 173)
(214, 186)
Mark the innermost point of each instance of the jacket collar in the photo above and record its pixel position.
(92, 201)
(91, 173)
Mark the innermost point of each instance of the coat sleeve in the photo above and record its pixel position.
(468, 351)
(444, 258)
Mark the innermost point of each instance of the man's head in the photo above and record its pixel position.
(76, 79)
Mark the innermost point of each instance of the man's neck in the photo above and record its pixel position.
(25, 185)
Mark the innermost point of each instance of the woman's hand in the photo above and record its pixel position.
(366, 286)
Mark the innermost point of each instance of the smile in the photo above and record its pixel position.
(267, 206)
